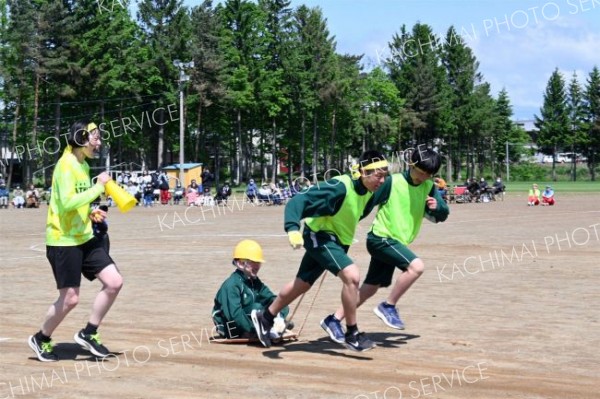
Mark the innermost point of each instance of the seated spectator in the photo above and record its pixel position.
(241, 293)
(548, 196)
(133, 189)
(442, 187)
(192, 197)
(534, 196)
(251, 190)
(177, 194)
(148, 195)
(276, 195)
(3, 195)
(499, 187)
(18, 197)
(223, 194)
(32, 197)
(264, 194)
(473, 188)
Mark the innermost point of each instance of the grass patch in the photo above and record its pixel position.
(558, 186)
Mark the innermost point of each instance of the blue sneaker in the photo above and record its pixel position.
(389, 315)
(358, 342)
(334, 329)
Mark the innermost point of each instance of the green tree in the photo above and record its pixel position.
(553, 122)
(592, 100)
(576, 138)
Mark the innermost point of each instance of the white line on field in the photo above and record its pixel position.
(4, 339)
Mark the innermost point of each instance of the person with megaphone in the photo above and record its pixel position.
(71, 247)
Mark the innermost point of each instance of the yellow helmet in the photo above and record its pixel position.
(248, 249)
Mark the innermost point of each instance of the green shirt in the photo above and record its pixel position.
(236, 299)
(401, 215)
(68, 222)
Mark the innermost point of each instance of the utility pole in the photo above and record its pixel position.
(182, 78)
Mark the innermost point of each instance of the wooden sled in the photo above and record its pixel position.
(287, 336)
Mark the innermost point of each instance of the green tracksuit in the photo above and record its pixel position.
(234, 302)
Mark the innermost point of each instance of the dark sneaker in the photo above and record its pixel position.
(91, 342)
(43, 350)
(358, 342)
(262, 327)
(333, 327)
(389, 315)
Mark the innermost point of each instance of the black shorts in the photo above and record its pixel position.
(387, 254)
(69, 263)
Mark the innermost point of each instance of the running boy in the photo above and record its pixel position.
(406, 200)
(71, 247)
(332, 211)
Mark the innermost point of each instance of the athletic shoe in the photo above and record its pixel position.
(358, 342)
(262, 327)
(333, 327)
(389, 315)
(91, 342)
(43, 350)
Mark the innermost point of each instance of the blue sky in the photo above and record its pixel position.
(517, 43)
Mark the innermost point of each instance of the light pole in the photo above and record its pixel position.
(182, 78)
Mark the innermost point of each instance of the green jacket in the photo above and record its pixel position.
(234, 302)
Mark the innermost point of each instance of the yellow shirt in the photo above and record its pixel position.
(68, 222)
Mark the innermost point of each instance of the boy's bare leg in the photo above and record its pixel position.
(112, 281)
(67, 300)
(405, 281)
(287, 294)
(350, 277)
(365, 292)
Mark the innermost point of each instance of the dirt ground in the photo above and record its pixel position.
(508, 307)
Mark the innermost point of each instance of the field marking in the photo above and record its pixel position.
(513, 217)
(4, 339)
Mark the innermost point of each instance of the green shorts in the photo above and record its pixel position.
(387, 254)
(323, 252)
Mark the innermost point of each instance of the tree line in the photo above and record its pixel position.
(267, 87)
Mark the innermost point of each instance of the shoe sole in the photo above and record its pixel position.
(331, 335)
(385, 321)
(264, 340)
(38, 354)
(87, 346)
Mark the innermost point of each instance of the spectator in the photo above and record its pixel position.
(18, 197)
(223, 194)
(473, 188)
(548, 196)
(2, 182)
(483, 185)
(276, 195)
(207, 179)
(251, 190)
(442, 187)
(3, 195)
(148, 195)
(163, 186)
(499, 187)
(534, 196)
(264, 194)
(133, 189)
(178, 194)
(32, 197)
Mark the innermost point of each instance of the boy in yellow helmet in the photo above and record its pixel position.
(243, 292)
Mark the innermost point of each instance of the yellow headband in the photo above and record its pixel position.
(376, 165)
(91, 127)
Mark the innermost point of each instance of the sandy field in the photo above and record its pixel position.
(508, 307)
